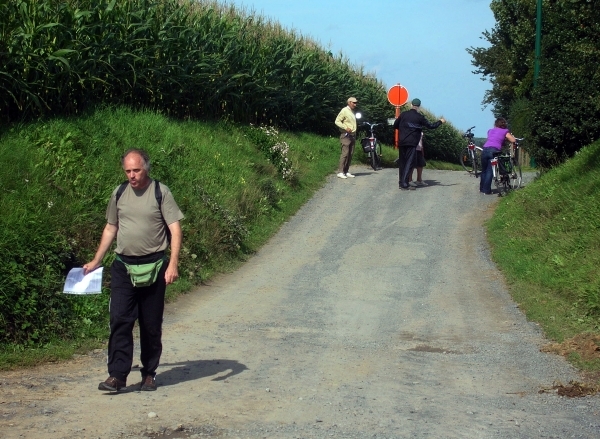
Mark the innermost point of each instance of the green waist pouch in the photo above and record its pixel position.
(143, 275)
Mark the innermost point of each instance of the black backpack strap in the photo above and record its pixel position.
(121, 189)
(158, 193)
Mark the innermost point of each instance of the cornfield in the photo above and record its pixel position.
(187, 59)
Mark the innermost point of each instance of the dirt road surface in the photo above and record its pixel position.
(374, 313)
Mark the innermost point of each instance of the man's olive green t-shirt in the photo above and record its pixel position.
(141, 229)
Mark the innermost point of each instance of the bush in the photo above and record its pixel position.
(565, 114)
(40, 242)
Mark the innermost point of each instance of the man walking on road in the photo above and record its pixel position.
(411, 124)
(346, 122)
(143, 216)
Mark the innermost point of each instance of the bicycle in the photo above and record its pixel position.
(506, 170)
(372, 147)
(470, 156)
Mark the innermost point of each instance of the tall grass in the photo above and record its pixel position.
(546, 237)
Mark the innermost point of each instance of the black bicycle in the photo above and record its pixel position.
(372, 147)
(470, 156)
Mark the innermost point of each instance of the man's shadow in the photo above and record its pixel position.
(431, 183)
(189, 371)
(194, 370)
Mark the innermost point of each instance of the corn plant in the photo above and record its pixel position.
(188, 59)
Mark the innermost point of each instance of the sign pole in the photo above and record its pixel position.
(397, 133)
(397, 96)
(538, 43)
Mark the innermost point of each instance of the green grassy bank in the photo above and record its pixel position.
(546, 239)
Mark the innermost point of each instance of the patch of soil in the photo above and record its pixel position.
(587, 347)
(574, 389)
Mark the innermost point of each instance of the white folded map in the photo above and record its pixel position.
(77, 283)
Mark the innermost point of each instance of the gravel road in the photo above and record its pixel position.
(373, 313)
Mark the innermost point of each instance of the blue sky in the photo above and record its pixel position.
(417, 43)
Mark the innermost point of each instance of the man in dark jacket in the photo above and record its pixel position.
(410, 125)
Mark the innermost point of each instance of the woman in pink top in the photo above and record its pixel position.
(493, 144)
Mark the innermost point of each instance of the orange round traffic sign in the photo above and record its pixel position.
(397, 95)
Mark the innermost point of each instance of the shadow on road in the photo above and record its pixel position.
(188, 371)
(193, 370)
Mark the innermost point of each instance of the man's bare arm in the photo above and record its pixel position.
(108, 236)
(171, 274)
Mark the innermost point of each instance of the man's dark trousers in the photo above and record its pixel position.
(407, 164)
(128, 304)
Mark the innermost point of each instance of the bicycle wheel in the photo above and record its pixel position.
(374, 159)
(466, 160)
(477, 163)
(516, 178)
(506, 184)
(502, 184)
(498, 184)
(497, 179)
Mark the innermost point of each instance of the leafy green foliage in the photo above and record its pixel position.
(559, 115)
(520, 120)
(443, 143)
(274, 148)
(566, 102)
(187, 59)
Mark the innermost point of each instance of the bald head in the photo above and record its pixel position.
(136, 165)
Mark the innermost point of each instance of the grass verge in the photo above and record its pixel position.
(546, 240)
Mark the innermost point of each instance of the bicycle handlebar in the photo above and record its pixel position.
(468, 134)
(371, 124)
(518, 141)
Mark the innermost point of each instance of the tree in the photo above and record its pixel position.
(565, 108)
(508, 62)
(562, 112)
